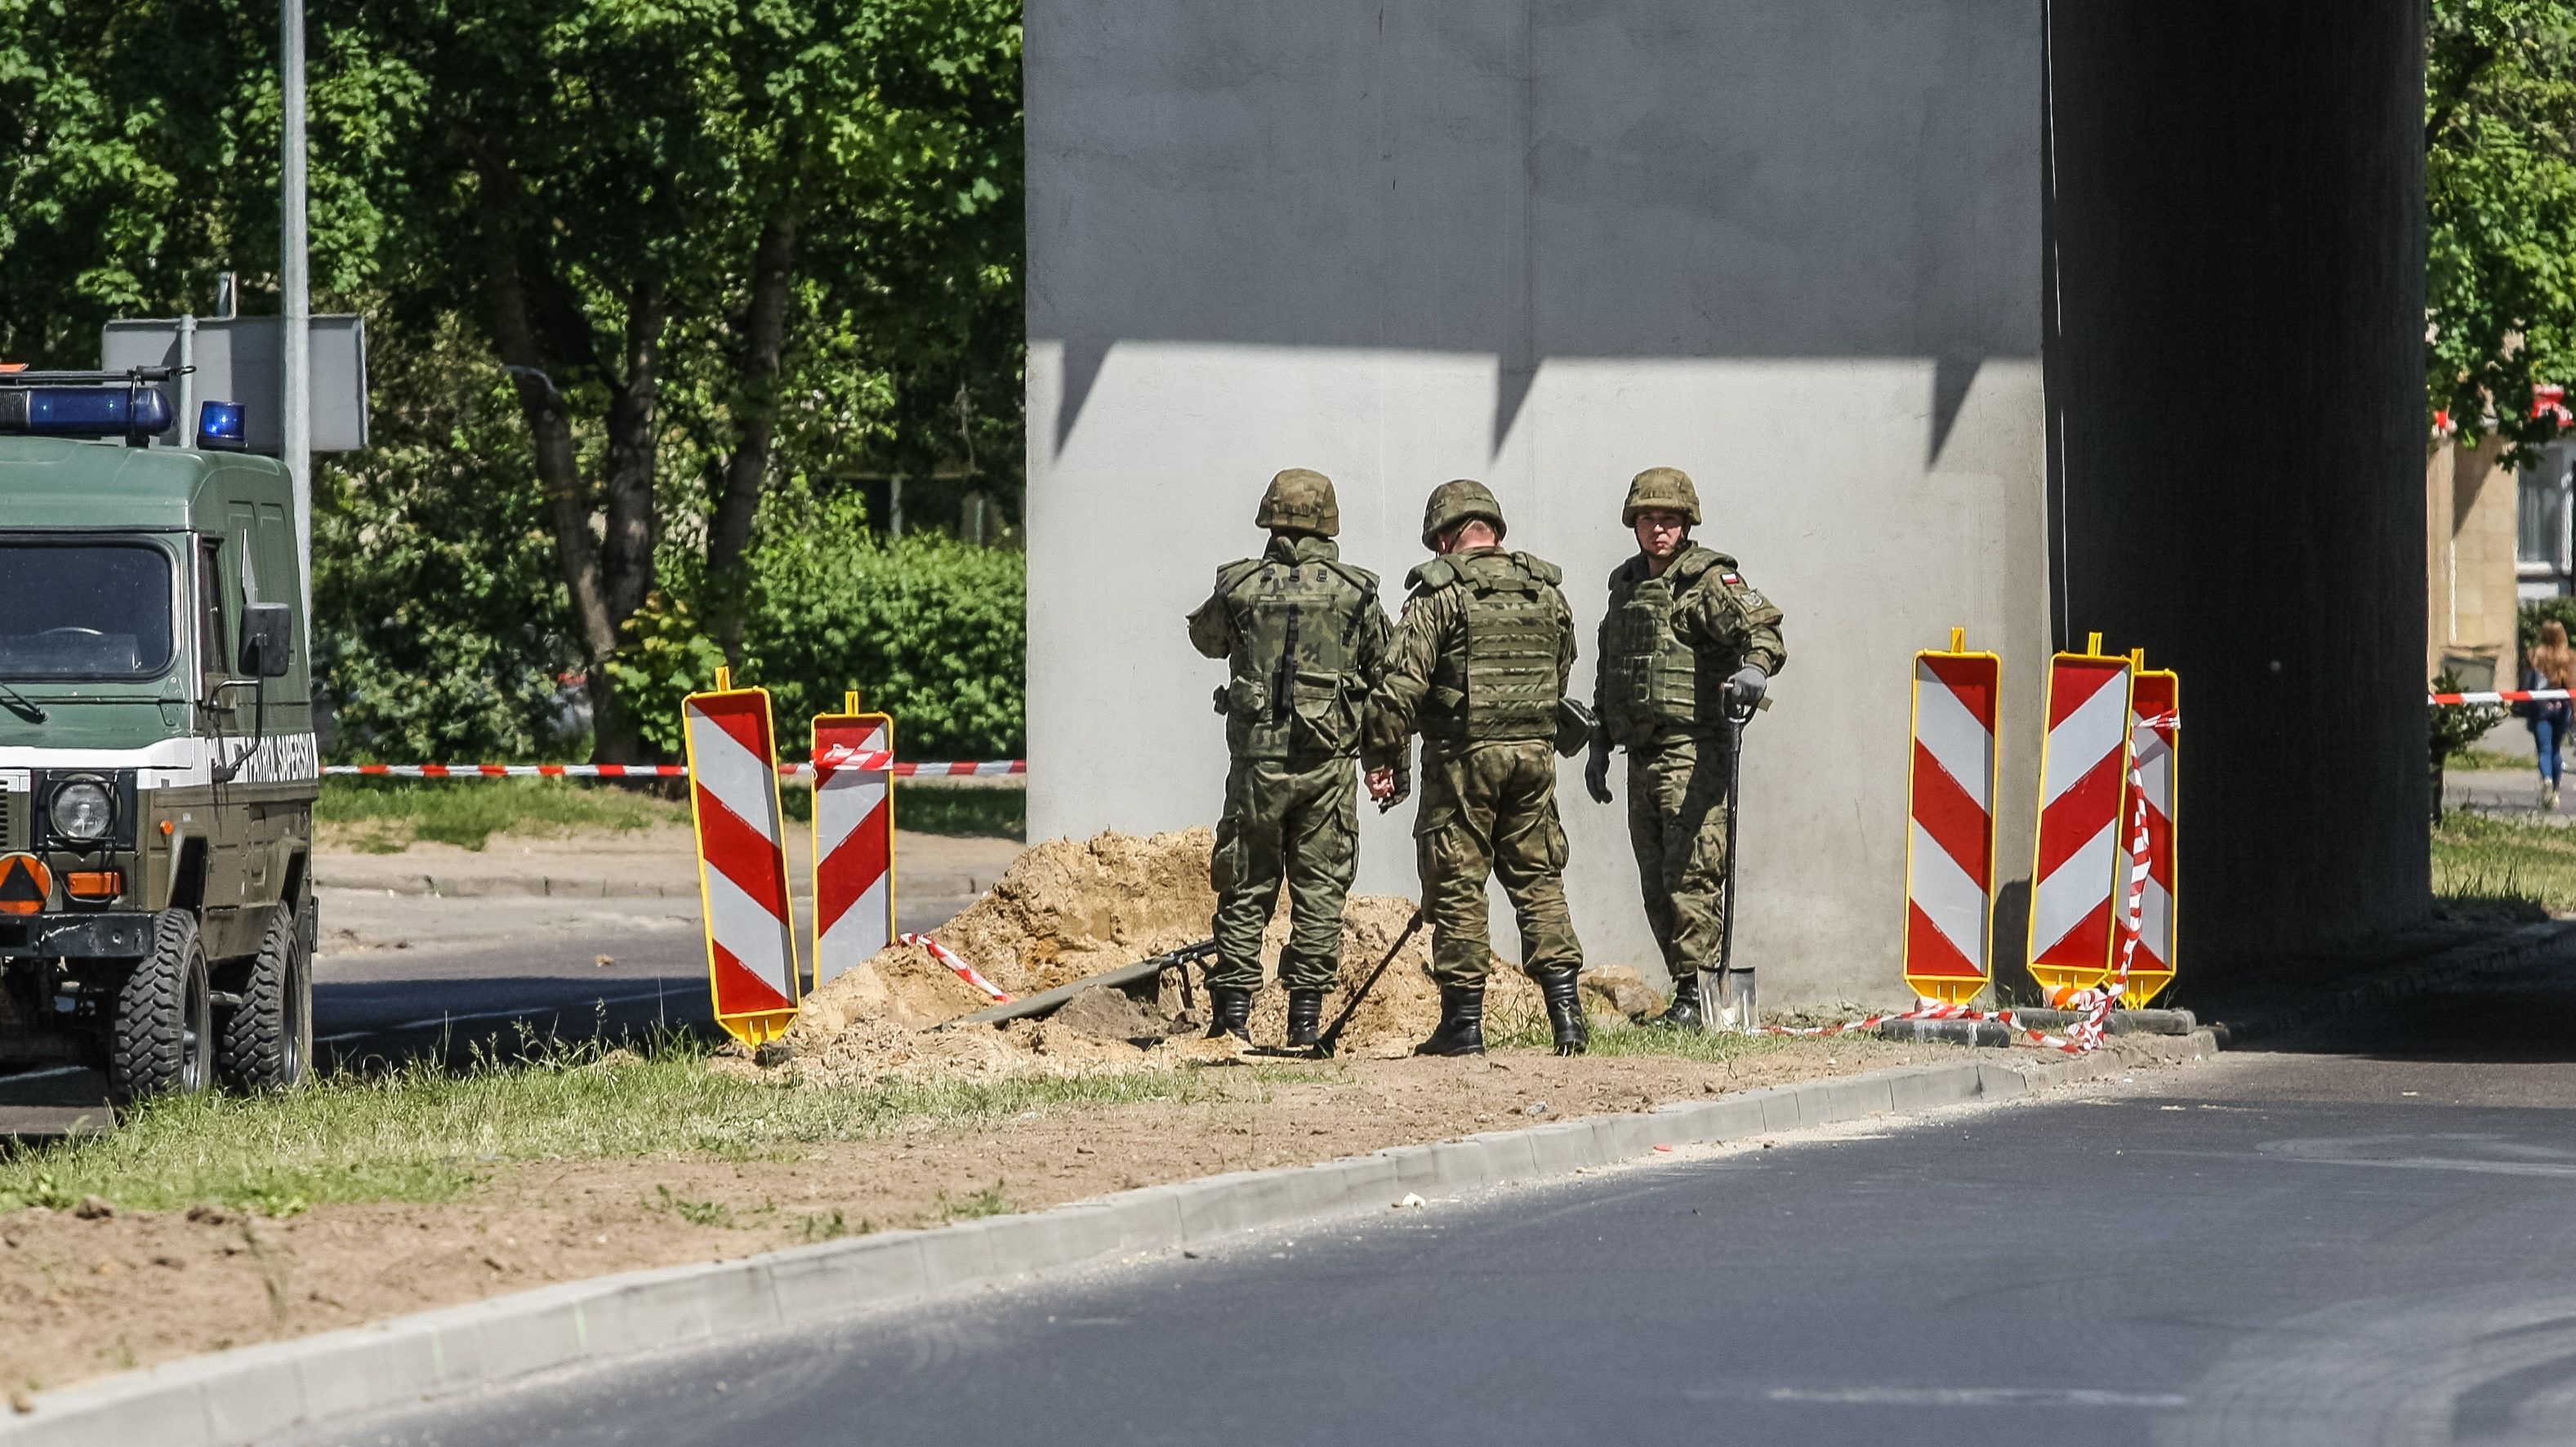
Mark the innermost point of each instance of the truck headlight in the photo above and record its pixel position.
(82, 809)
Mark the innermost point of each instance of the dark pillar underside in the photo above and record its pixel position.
(2235, 381)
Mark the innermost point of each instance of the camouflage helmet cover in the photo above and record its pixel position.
(1300, 499)
(1661, 489)
(1456, 502)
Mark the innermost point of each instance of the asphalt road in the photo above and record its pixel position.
(2367, 1235)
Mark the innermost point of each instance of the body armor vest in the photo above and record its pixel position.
(1503, 684)
(1652, 679)
(1293, 688)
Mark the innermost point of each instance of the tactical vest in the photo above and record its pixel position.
(1651, 679)
(1502, 684)
(1293, 688)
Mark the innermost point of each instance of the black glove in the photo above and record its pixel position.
(1745, 689)
(1596, 772)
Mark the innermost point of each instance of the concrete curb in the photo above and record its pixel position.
(2399, 982)
(254, 1393)
(537, 886)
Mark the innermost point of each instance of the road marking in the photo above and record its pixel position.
(45, 1074)
(433, 1021)
(1970, 1397)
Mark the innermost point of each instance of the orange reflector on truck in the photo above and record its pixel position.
(25, 883)
(94, 883)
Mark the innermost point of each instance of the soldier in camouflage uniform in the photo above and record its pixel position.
(1480, 665)
(1304, 640)
(1685, 636)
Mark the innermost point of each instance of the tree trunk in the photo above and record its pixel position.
(602, 599)
(633, 413)
(756, 405)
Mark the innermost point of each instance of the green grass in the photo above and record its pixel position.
(1620, 1037)
(386, 815)
(2490, 759)
(932, 809)
(2483, 864)
(418, 1135)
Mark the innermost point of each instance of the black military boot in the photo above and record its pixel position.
(1565, 1009)
(1229, 1013)
(1305, 1018)
(1462, 1023)
(1683, 1013)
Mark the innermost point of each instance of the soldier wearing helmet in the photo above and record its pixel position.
(1304, 640)
(1479, 669)
(1685, 636)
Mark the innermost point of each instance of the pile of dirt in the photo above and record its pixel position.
(1067, 910)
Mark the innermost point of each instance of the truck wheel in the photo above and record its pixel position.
(267, 1040)
(162, 1041)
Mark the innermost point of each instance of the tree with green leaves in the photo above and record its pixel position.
(673, 222)
(2500, 194)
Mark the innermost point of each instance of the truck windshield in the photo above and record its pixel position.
(84, 610)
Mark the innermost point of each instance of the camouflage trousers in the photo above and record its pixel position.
(1290, 820)
(1677, 823)
(1490, 810)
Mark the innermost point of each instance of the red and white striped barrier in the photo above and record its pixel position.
(2155, 726)
(958, 967)
(2511, 695)
(1950, 848)
(742, 860)
(983, 768)
(2084, 769)
(853, 839)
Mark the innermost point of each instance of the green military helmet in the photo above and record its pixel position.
(1300, 500)
(1453, 503)
(1665, 489)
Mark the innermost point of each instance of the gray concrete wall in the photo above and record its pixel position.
(1792, 246)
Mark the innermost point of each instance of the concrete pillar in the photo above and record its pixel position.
(1791, 246)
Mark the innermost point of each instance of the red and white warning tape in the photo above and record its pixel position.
(986, 768)
(2094, 1005)
(958, 967)
(2511, 695)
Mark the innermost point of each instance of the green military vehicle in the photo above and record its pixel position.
(157, 757)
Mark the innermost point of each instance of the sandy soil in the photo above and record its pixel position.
(92, 1296)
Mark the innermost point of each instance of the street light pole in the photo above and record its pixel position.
(295, 302)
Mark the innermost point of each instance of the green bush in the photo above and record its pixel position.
(441, 628)
(928, 629)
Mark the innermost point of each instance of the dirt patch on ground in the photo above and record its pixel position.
(94, 1296)
(1069, 910)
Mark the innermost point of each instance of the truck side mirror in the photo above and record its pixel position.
(266, 632)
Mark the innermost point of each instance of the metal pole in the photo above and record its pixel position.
(295, 302)
(186, 382)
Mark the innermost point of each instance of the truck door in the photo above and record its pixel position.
(216, 611)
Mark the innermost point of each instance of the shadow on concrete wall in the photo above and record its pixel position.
(1654, 178)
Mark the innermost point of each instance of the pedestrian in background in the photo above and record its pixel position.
(2552, 664)
(1304, 641)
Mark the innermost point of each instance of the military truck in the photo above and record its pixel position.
(157, 758)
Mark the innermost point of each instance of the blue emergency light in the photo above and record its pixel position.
(219, 427)
(85, 404)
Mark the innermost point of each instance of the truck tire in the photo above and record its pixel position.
(267, 1040)
(162, 1040)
